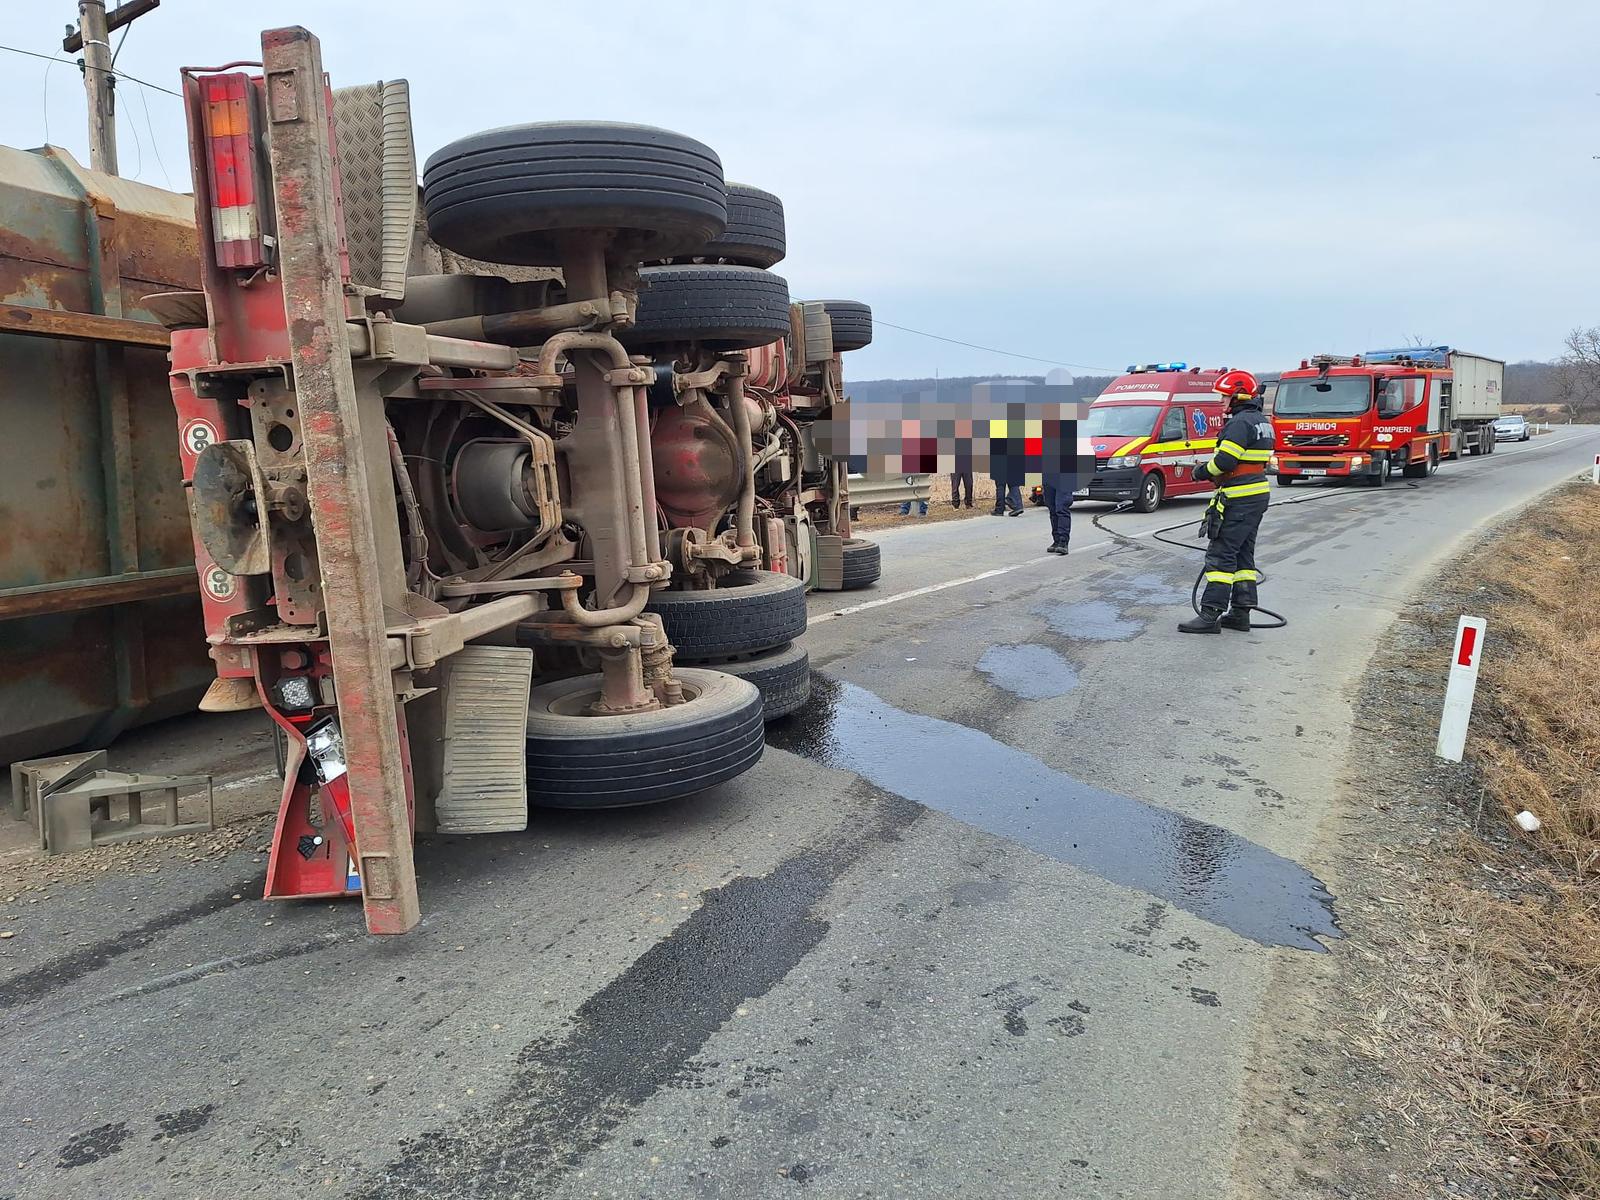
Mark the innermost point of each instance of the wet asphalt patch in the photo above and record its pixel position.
(1201, 868)
(1029, 672)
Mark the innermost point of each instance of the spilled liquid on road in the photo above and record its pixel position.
(1031, 672)
(1089, 620)
(1198, 867)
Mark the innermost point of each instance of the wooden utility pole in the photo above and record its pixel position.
(92, 35)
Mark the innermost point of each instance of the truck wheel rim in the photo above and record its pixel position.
(576, 704)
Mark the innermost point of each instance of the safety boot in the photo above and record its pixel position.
(1208, 620)
(1235, 618)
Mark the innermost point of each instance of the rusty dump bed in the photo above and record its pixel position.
(100, 622)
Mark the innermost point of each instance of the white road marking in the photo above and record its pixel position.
(1537, 445)
(950, 583)
(851, 610)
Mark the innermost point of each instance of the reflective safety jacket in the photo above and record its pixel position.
(1245, 444)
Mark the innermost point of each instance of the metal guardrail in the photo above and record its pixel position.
(888, 491)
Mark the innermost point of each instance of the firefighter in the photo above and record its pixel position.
(1239, 474)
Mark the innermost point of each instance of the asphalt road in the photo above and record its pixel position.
(994, 920)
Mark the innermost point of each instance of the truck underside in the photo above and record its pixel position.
(539, 529)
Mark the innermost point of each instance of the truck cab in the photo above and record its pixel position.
(1152, 430)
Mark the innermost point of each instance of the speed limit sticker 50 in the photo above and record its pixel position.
(219, 585)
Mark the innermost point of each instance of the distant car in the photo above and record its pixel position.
(1513, 427)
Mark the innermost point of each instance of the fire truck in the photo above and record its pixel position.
(458, 534)
(1373, 415)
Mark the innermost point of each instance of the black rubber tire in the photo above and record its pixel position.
(1423, 469)
(1287, 480)
(577, 761)
(852, 324)
(505, 195)
(1382, 476)
(863, 563)
(783, 677)
(720, 307)
(1152, 490)
(749, 612)
(755, 236)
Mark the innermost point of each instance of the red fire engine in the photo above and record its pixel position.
(1373, 414)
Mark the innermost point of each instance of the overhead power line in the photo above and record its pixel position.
(938, 337)
(155, 87)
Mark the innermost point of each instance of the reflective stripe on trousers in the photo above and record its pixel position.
(1231, 574)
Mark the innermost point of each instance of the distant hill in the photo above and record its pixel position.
(878, 391)
(1532, 384)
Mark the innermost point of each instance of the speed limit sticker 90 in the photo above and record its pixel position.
(218, 583)
(197, 435)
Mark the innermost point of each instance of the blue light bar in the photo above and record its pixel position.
(1141, 368)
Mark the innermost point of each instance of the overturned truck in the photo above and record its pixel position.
(474, 541)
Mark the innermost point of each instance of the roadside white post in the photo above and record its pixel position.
(1459, 691)
(1596, 477)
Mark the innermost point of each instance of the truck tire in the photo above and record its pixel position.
(720, 307)
(749, 612)
(1428, 465)
(783, 676)
(1381, 476)
(862, 563)
(852, 324)
(1287, 480)
(755, 236)
(506, 196)
(579, 761)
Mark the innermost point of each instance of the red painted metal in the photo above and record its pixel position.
(697, 465)
(269, 326)
(311, 264)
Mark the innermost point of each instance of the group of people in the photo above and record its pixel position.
(1237, 472)
(1009, 473)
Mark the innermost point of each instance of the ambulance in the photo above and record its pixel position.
(1152, 431)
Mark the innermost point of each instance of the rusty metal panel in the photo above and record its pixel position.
(92, 487)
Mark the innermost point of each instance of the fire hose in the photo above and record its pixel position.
(1204, 531)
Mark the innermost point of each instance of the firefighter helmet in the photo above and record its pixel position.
(1235, 383)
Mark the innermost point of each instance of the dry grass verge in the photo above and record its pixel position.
(1523, 991)
(1449, 1047)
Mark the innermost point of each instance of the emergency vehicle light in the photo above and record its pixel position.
(1141, 368)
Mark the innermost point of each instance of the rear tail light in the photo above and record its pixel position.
(231, 142)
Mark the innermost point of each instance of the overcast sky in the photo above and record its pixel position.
(1237, 182)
